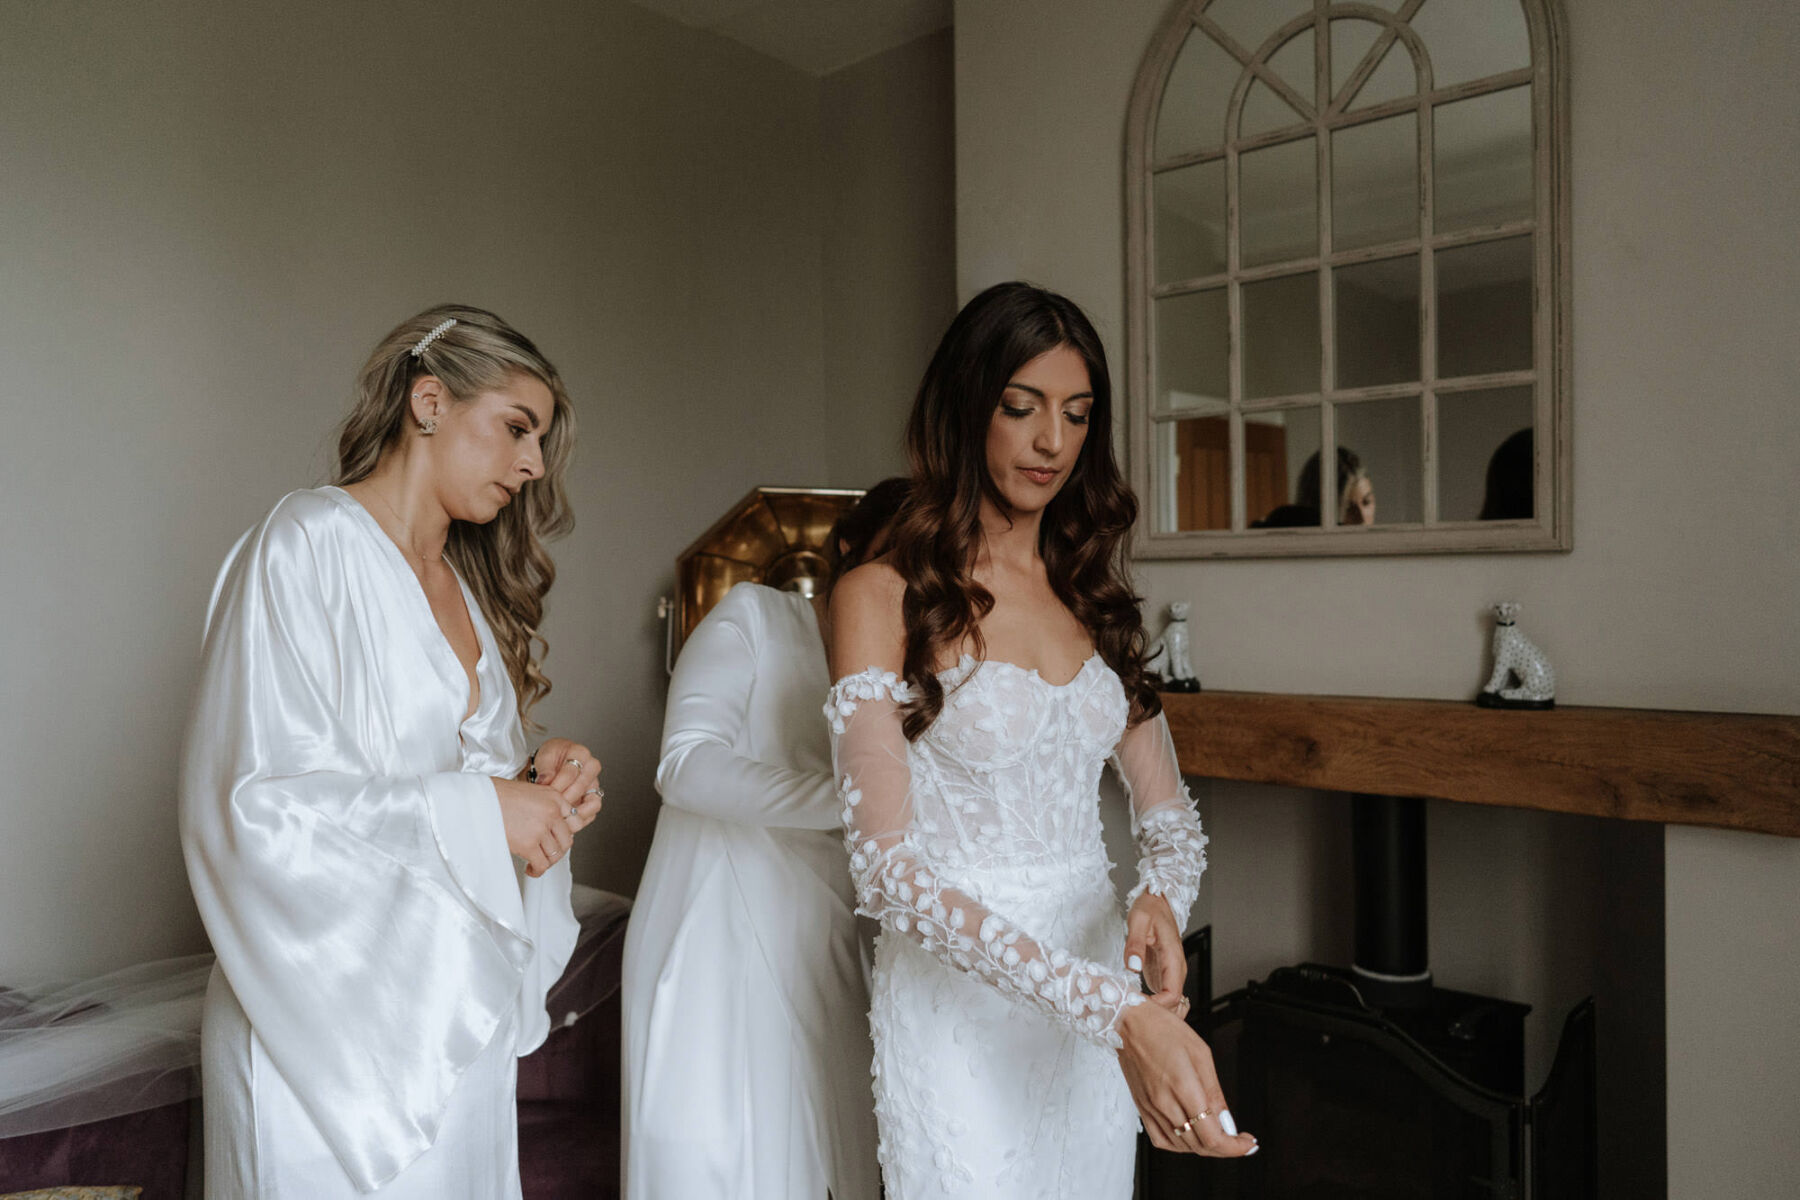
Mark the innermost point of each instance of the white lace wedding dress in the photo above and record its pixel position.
(998, 970)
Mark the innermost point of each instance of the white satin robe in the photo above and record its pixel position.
(382, 961)
(747, 1046)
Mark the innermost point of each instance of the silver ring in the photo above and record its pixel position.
(596, 790)
(576, 763)
(554, 854)
(568, 812)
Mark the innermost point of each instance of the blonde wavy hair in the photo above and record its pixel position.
(503, 561)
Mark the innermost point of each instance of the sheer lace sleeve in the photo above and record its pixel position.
(1171, 845)
(895, 862)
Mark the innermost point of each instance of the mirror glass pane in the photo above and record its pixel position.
(1351, 42)
(1278, 446)
(1265, 111)
(1295, 66)
(1250, 22)
(1194, 489)
(1482, 147)
(1278, 203)
(1485, 455)
(1192, 116)
(1281, 336)
(1472, 39)
(1484, 313)
(1377, 322)
(1192, 334)
(1381, 437)
(1395, 78)
(1375, 182)
(1190, 222)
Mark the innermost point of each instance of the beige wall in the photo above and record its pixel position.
(206, 220)
(890, 247)
(1684, 307)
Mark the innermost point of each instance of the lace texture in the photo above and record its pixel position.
(978, 848)
(1003, 789)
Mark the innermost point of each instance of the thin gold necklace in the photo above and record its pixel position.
(407, 545)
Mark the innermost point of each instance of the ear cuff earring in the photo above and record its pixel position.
(428, 426)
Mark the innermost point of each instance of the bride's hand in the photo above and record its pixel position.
(1153, 949)
(1170, 1073)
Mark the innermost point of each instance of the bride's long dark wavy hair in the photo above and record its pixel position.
(1086, 529)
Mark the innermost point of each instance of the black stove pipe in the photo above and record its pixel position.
(1392, 956)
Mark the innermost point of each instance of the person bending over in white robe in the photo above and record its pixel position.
(745, 981)
(385, 887)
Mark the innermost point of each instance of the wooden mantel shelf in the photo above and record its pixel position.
(1735, 771)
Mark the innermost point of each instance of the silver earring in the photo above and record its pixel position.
(428, 426)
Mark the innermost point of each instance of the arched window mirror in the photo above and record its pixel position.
(1347, 296)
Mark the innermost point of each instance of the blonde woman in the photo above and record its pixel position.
(381, 868)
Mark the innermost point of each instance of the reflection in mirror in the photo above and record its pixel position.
(1385, 436)
(1277, 445)
(1400, 290)
(1192, 335)
(1190, 221)
(1192, 117)
(1484, 309)
(1482, 147)
(1195, 490)
(1278, 203)
(1281, 336)
(1375, 182)
(1485, 455)
(1378, 322)
(1473, 39)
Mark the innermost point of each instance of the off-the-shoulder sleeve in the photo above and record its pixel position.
(372, 979)
(1171, 844)
(709, 702)
(899, 884)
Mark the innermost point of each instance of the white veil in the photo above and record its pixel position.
(71, 1053)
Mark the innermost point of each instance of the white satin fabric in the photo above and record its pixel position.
(747, 1047)
(382, 960)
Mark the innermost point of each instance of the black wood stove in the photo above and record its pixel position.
(1373, 1083)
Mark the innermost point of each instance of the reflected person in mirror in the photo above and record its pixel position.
(987, 670)
(1356, 495)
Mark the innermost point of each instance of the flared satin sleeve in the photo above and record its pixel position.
(351, 871)
(1171, 844)
(702, 769)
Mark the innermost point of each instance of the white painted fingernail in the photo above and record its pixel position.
(1252, 1150)
(1226, 1123)
(1135, 963)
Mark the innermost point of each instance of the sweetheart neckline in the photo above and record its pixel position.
(966, 659)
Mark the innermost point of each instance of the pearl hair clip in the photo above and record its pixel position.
(434, 335)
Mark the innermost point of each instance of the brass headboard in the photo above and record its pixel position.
(774, 536)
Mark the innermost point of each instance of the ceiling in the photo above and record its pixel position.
(817, 36)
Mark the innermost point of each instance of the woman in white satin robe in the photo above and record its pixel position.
(382, 958)
(746, 1037)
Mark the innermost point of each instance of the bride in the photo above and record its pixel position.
(986, 669)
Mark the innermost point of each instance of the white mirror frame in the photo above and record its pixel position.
(1551, 528)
